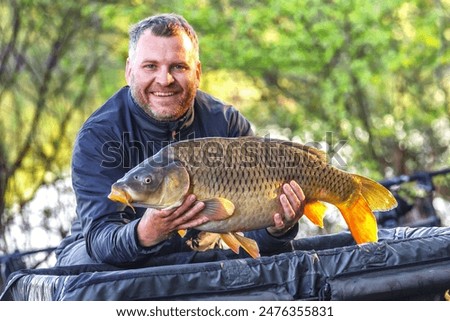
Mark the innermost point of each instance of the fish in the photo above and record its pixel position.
(240, 180)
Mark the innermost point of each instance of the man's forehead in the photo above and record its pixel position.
(181, 39)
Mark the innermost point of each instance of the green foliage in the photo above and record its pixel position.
(49, 54)
(373, 73)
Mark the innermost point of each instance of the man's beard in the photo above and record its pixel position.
(176, 111)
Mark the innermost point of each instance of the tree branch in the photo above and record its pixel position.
(12, 43)
(54, 56)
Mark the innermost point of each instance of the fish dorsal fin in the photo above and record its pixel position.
(218, 208)
(320, 154)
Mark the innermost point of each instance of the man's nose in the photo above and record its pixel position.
(164, 77)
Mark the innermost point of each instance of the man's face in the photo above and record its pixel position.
(163, 75)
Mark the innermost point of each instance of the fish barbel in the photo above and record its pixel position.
(240, 181)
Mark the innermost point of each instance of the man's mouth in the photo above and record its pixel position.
(163, 93)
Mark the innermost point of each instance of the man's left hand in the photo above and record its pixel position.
(292, 202)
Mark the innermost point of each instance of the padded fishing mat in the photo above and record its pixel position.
(405, 264)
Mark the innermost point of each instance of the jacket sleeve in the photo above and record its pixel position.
(268, 244)
(108, 227)
(238, 125)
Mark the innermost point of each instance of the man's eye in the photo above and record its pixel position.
(150, 66)
(179, 67)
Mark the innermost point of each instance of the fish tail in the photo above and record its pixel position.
(360, 219)
(358, 209)
(378, 197)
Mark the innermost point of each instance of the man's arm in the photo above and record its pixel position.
(114, 234)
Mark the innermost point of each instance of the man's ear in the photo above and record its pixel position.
(198, 72)
(128, 71)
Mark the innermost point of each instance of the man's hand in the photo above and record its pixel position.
(156, 225)
(292, 203)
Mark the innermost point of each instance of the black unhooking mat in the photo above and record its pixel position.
(405, 264)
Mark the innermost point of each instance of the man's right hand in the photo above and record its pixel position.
(156, 225)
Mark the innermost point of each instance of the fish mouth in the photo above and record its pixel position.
(121, 196)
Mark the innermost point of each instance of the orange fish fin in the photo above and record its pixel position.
(235, 240)
(218, 208)
(249, 245)
(231, 241)
(182, 233)
(378, 197)
(360, 220)
(315, 211)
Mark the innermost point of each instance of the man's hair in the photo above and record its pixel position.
(163, 25)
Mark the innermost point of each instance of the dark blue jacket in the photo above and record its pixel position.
(119, 136)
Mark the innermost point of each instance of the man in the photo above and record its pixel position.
(161, 104)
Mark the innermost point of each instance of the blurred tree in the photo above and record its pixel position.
(374, 74)
(49, 54)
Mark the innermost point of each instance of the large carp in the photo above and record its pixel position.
(240, 181)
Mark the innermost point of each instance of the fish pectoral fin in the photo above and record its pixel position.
(218, 208)
(235, 240)
(360, 220)
(315, 211)
(182, 233)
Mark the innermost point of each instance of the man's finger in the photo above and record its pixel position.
(289, 211)
(190, 214)
(297, 190)
(182, 209)
(193, 223)
(278, 220)
(295, 197)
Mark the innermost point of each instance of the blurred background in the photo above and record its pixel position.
(367, 81)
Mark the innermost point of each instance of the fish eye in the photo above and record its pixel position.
(147, 180)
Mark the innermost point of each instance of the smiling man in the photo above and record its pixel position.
(161, 104)
(163, 72)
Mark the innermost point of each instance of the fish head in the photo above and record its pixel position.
(148, 185)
